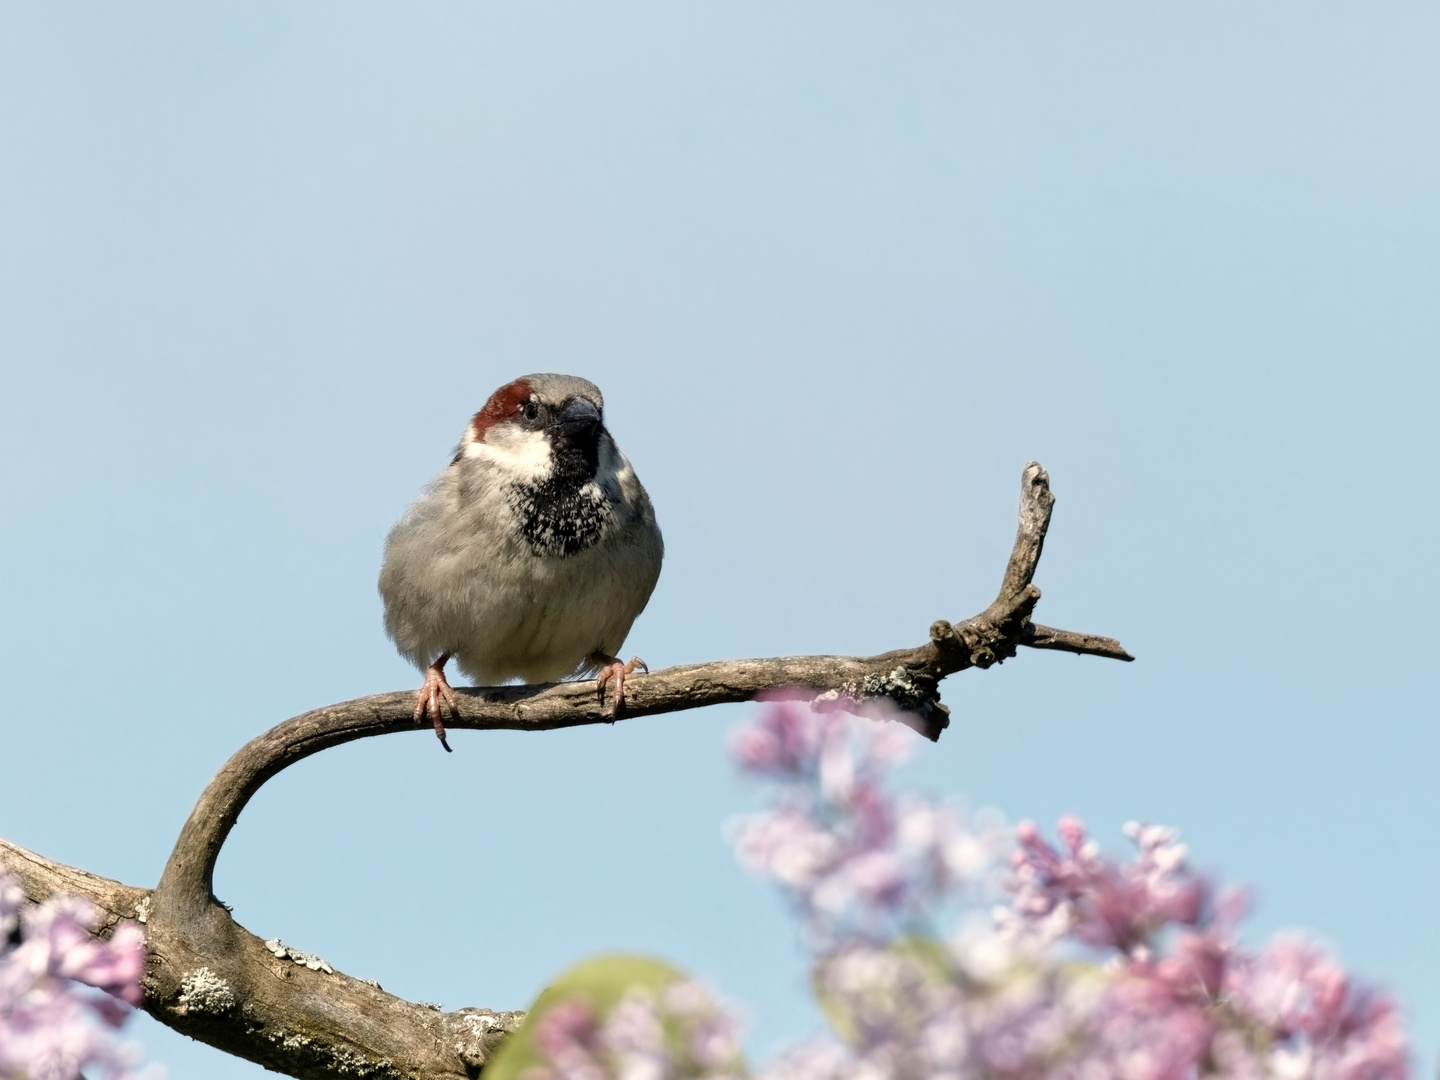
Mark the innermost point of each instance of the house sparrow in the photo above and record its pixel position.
(530, 555)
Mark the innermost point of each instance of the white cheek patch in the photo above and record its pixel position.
(522, 455)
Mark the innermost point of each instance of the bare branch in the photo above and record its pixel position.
(1045, 637)
(215, 981)
(286, 1010)
(1036, 505)
(40, 879)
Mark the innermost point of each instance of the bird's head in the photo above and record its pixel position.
(539, 427)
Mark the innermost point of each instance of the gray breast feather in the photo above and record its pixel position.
(475, 571)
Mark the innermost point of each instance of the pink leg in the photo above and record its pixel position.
(612, 668)
(436, 690)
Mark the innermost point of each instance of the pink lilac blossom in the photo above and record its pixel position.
(679, 1033)
(1097, 901)
(857, 861)
(1094, 968)
(51, 1028)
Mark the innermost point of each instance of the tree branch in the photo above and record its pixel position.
(212, 979)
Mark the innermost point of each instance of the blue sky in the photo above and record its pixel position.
(841, 270)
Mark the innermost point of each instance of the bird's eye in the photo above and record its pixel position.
(529, 410)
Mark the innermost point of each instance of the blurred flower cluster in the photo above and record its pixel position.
(51, 1025)
(669, 1033)
(1088, 967)
(1055, 961)
(861, 863)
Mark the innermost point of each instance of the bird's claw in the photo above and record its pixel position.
(435, 691)
(612, 668)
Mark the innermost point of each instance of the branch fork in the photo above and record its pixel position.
(292, 1012)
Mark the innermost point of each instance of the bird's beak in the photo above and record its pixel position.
(578, 421)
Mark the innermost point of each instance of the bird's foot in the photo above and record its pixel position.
(435, 692)
(612, 668)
